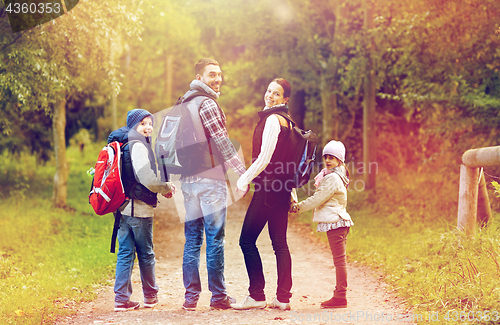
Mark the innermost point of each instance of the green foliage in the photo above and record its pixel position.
(161, 62)
(21, 176)
(438, 68)
(50, 259)
(22, 130)
(66, 59)
(497, 188)
(436, 64)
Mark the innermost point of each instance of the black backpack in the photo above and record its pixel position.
(301, 151)
(177, 148)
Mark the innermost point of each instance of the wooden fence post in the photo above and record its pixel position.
(473, 198)
(467, 199)
(483, 204)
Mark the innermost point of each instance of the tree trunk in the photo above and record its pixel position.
(369, 134)
(298, 107)
(62, 169)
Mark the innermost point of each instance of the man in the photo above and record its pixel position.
(204, 190)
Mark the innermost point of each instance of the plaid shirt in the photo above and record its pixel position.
(214, 121)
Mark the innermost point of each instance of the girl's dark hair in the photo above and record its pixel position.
(287, 89)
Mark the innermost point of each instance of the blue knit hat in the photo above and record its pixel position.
(136, 115)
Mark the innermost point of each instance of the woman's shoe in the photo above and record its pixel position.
(335, 303)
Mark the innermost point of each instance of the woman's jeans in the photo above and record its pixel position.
(271, 208)
(337, 240)
(135, 235)
(205, 202)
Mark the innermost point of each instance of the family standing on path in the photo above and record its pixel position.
(205, 201)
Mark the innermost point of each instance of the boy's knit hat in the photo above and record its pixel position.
(136, 115)
(336, 149)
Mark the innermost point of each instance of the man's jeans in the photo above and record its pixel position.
(135, 234)
(205, 202)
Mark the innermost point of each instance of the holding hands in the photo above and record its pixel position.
(243, 192)
(294, 207)
(172, 192)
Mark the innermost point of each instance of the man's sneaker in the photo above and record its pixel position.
(129, 305)
(150, 302)
(189, 305)
(223, 303)
(280, 305)
(249, 303)
(335, 303)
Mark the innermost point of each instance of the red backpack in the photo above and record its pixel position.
(107, 193)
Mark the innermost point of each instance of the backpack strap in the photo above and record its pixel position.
(196, 94)
(200, 94)
(285, 120)
(121, 152)
(116, 226)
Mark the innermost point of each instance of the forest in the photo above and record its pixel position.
(406, 85)
(427, 69)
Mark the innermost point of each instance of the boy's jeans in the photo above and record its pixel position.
(205, 202)
(135, 234)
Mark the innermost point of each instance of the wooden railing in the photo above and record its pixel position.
(473, 202)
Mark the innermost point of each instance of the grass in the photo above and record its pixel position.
(437, 269)
(50, 258)
(414, 242)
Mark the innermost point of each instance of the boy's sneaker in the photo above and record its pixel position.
(280, 305)
(150, 302)
(189, 305)
(223, 303)
(249, 303)
(129, 305)
(335, 303)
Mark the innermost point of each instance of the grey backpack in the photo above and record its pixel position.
(179, 147)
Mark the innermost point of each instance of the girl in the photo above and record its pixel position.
(329, 203)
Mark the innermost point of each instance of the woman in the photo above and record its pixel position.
(271, 200)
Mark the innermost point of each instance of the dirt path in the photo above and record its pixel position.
(313, 282)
